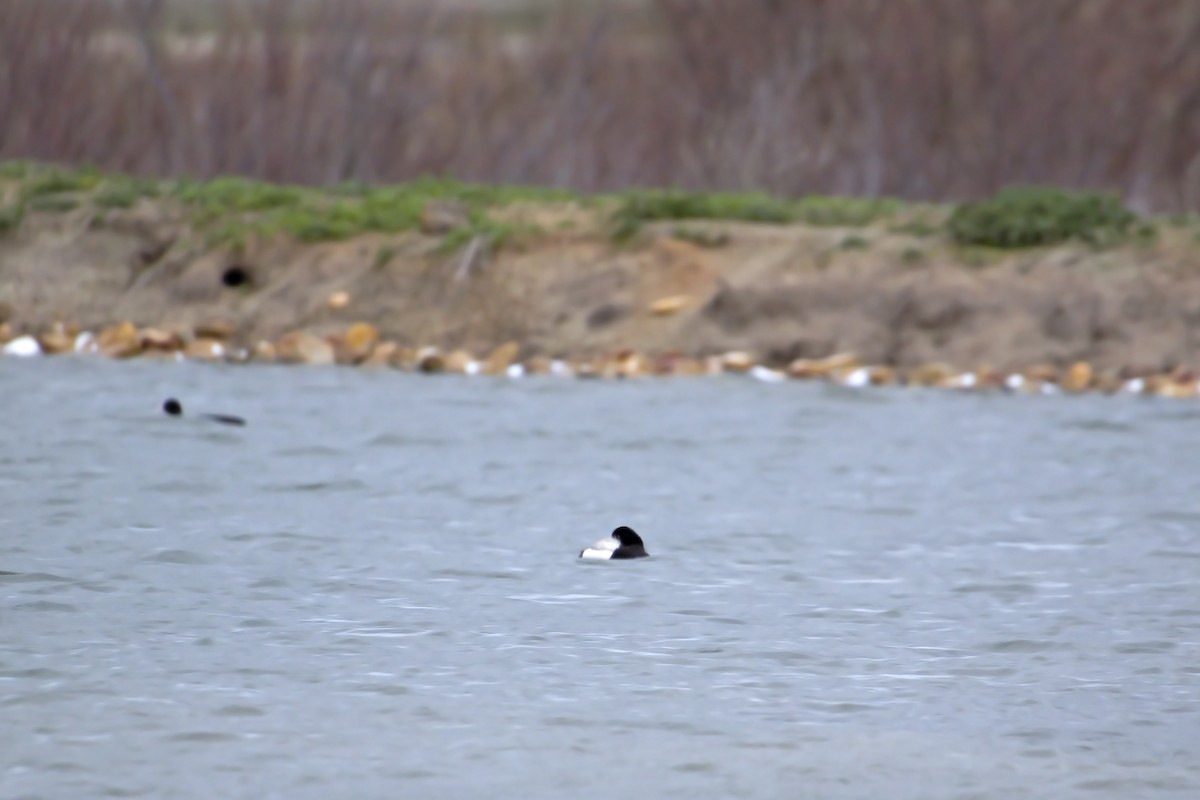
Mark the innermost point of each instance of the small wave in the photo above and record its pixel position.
(174, 556)
(46, 605)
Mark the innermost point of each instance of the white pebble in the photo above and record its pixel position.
(23, 347)
(766, 375)
(859, 378)
(85, 342)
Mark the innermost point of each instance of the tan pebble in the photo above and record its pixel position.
(119, 341)
(459, 362)
(666, 364)
(665, 306)
(930, 374)
(1178, 384)
(304, 348)
(204, 350)
(338, 300)
(690, 366)
(56, 341)
(1163, 386)
(404, 358)
(538, 365)
(838, 363)
(356, 343)
(215, 328)
(263, 352)
(1078, 377)
(159, 339)
(1183, 374)
(1043, 373)
(1108, 382)
(803, 368)
(501, 358)
(7, 334)
(630, 364)
(381, 355)
(990, 378)
(963, 380)
(737, 361)
(882, 375)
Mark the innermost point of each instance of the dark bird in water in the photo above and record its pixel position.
(174, 408)
(624, 543)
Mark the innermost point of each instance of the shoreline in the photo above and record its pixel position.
(438, 276)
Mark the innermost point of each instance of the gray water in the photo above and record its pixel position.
(371, 591)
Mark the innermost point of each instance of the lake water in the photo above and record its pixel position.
(372, 590)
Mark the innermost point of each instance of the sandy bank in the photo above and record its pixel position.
(895, 290)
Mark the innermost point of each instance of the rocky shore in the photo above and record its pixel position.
(459, 279)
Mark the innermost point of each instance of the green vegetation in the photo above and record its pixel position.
(497, 234)
(53, 202)
(636, 208)
(232, 212)
(58, 181)
(919, 227)
(10, 216)
(15, 170)
(122, 192)
(312, 215)
(1028, 216)
(710, 240)
(845, 212)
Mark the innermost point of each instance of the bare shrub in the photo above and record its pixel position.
(928, 99)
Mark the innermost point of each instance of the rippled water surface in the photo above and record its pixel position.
(371, 591)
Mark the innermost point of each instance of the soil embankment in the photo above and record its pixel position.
(893, 294)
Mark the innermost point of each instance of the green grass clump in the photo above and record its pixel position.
(232, 195)
(15, 170)
(846, 212)
(639, 207)
(855, 242)
(919, 228)
(53, 203)
(239, 208)
(701, 238)
(496, 233)
(1028, 216)
(10, 216)
(122, 192)
(41, 183)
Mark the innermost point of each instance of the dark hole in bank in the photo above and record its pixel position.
(235, 276)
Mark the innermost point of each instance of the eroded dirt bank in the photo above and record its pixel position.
(780, 292)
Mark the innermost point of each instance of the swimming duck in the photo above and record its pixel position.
(624, 543)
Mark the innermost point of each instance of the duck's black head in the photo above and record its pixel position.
(631, 544)
(173, 407)
(627, 537)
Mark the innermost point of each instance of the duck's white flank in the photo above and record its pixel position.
(601, 550)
